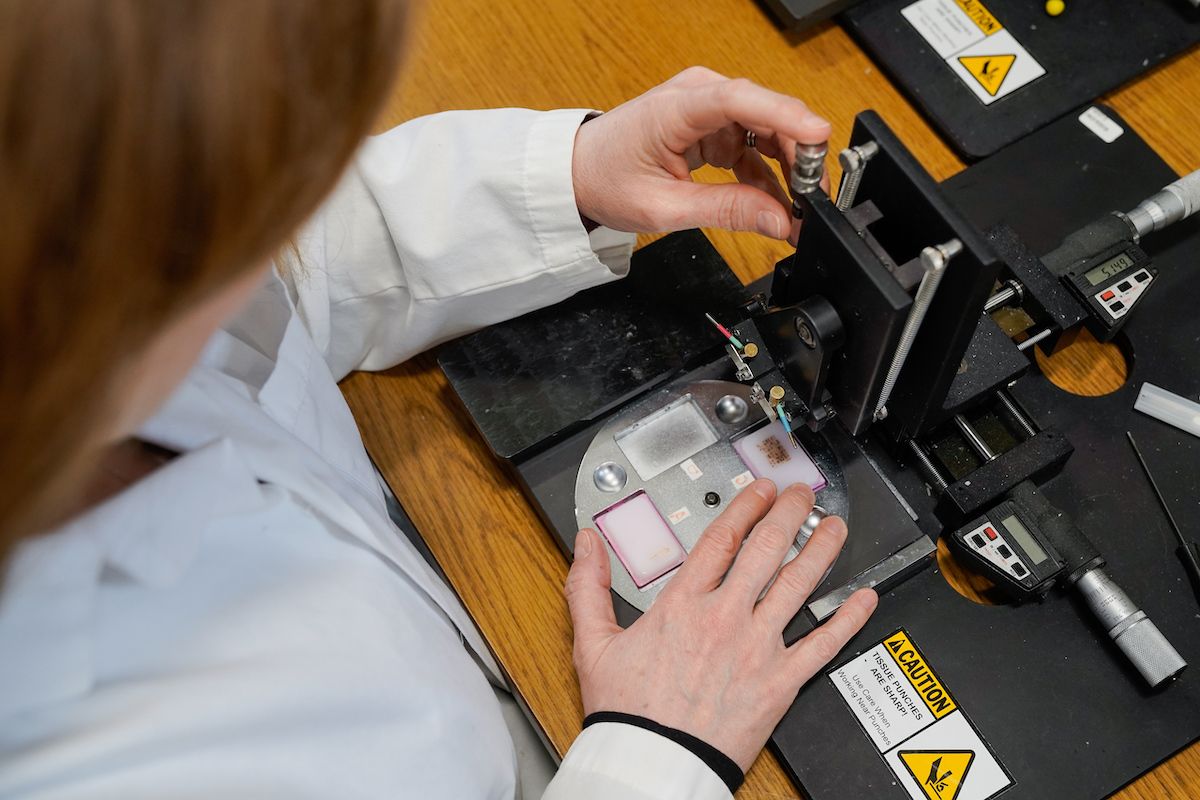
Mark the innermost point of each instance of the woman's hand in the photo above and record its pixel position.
(708, 657)
(632, 166)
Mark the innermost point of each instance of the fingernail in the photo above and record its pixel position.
(583, 544)
(805, 489)
(768, 224)
(818, 122)
(764, 489)
(837, 525)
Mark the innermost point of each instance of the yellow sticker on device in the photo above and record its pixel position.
(916, 725)
(920, 676)
(979, 14)
(940, 775)
(975, 46)
(990, 71)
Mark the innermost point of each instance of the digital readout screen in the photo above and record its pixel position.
(1025, 539)
(1109, 269)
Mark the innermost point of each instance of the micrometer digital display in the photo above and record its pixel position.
(1006, 545)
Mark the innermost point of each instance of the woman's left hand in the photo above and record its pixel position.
(632, 166)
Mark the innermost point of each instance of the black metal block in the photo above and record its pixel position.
(1045, 299)
(1033, 459)
(991, 362)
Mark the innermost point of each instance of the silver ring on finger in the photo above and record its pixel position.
(751, 139)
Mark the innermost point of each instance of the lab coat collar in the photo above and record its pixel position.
(150, 533)
(210, 404)
(153, 531)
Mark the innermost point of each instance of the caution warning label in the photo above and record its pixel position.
(990, 71)
(979, 14)
(922, 734)
(940, 774)
(975, 46)
(936, 698)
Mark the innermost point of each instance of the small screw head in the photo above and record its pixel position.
(750, 350)
(805, 333)
(712, 499)
(777, 393)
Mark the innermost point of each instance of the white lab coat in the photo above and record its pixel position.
(246, 621)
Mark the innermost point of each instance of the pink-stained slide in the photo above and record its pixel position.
(641, 538)
(768, 454)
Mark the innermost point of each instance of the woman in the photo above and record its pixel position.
(203, 594)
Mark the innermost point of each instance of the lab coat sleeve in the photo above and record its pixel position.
(615, 761)
(443, 225)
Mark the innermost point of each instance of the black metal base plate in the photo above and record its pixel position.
(1094, 46)
(1063, 711)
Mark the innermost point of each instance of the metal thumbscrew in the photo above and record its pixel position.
(808, 167)
(854, 164)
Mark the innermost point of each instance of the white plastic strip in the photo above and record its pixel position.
(1169, 407)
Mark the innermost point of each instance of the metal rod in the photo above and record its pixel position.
(973, 438)
(1032, 340)
(1010, 291)
(725, 332)
(854, 164)
(1162, 501)
(927, 466)
(935, 260)
(1178, 200)
(1018, 416)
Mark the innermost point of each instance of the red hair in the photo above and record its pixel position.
(150, 152)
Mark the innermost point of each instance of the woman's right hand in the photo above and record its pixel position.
(708, 657)
(631, 167)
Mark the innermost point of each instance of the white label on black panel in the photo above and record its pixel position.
(975, 46)
(1099, 123)
(916, 725)
(995, 67)
(943, 24)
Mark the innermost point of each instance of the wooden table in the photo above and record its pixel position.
(566, 53)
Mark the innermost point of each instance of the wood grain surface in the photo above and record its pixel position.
(565, 53)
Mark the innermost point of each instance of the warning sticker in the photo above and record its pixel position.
(973, 43)
(996, 66)
(916, 725)
(990, 71)
(940, 775)
(978, 14)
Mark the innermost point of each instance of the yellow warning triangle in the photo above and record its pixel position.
(940, 774)
(990, 71)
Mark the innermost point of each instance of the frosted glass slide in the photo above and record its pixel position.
(660, 440)
(767, 453)
(641, 538)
